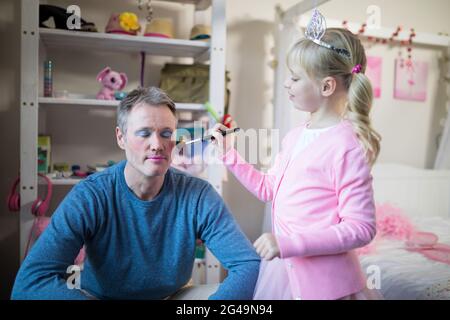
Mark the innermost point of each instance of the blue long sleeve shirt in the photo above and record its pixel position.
(136, 249)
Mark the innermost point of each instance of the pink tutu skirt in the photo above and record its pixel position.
(273, 281)
(273, 284)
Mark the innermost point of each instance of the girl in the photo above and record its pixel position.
(320, 185)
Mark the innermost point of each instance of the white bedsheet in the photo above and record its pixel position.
(408, 275)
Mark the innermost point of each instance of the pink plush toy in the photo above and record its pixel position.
(112, 81)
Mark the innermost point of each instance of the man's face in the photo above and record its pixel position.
(148, 142)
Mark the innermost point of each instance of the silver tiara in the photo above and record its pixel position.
(316, 29)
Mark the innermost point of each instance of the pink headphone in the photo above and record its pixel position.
(39, 206)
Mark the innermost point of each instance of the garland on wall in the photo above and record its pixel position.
(410, 76)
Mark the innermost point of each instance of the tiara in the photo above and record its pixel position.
(316, 29)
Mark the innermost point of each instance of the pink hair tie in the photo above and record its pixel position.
(357, 69)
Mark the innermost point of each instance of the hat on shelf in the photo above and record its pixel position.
(123, 23)
(200, 32)
(57, 18)
(159, 27)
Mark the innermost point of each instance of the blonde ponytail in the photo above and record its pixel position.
(360, 97)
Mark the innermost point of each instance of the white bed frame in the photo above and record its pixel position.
(419, 192)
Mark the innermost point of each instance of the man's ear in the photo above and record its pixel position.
(328, 86)
(120, 138)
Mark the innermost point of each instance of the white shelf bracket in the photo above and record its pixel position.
(28, 115)
(217, 99)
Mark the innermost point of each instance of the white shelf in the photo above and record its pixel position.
(63, 181)
(44, 101)
(199, 4)
(79, 102)
(125, 43)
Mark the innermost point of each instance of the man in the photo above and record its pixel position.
(139, 221)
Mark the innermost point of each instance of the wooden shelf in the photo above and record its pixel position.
(125, 43)
(44, 101)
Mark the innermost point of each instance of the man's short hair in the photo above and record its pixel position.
(151, 96)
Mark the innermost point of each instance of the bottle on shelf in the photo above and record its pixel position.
(48, 78)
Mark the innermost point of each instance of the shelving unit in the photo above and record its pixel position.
(33, 38)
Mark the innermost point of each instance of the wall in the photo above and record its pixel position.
(9, 131)
(408, 129)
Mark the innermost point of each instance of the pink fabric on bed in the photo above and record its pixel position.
(392, 223)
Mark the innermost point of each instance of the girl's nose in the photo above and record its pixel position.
(287, 84)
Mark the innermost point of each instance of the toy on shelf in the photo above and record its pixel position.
(123, 23)
(61, 167)
(100, 166)
(160, 28)
(200, 251)
(48, 78)
(120, 95)
(77, 172)
(227, 120)
(200, 32)
(44, 154)
(112, 82)
(155, 27)
(57, 18)
(61, 170)
(190, 159)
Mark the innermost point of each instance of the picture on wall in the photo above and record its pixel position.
(410, 80)
(373, 72)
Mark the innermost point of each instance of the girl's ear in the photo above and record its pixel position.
(328, 86)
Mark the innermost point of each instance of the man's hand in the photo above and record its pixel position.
(267, 247)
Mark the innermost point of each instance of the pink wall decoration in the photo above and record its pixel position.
(373, 72)
(410, 80)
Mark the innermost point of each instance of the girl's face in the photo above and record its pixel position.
(303, 92)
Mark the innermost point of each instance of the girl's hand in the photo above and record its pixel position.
(267, 247)
(223, 144)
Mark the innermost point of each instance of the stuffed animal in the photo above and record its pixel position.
(112, 81)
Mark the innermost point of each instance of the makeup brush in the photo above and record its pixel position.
(211, 137)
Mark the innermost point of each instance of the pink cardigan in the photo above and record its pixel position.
(322, 204)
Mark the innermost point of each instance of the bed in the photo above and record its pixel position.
(424, 197)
